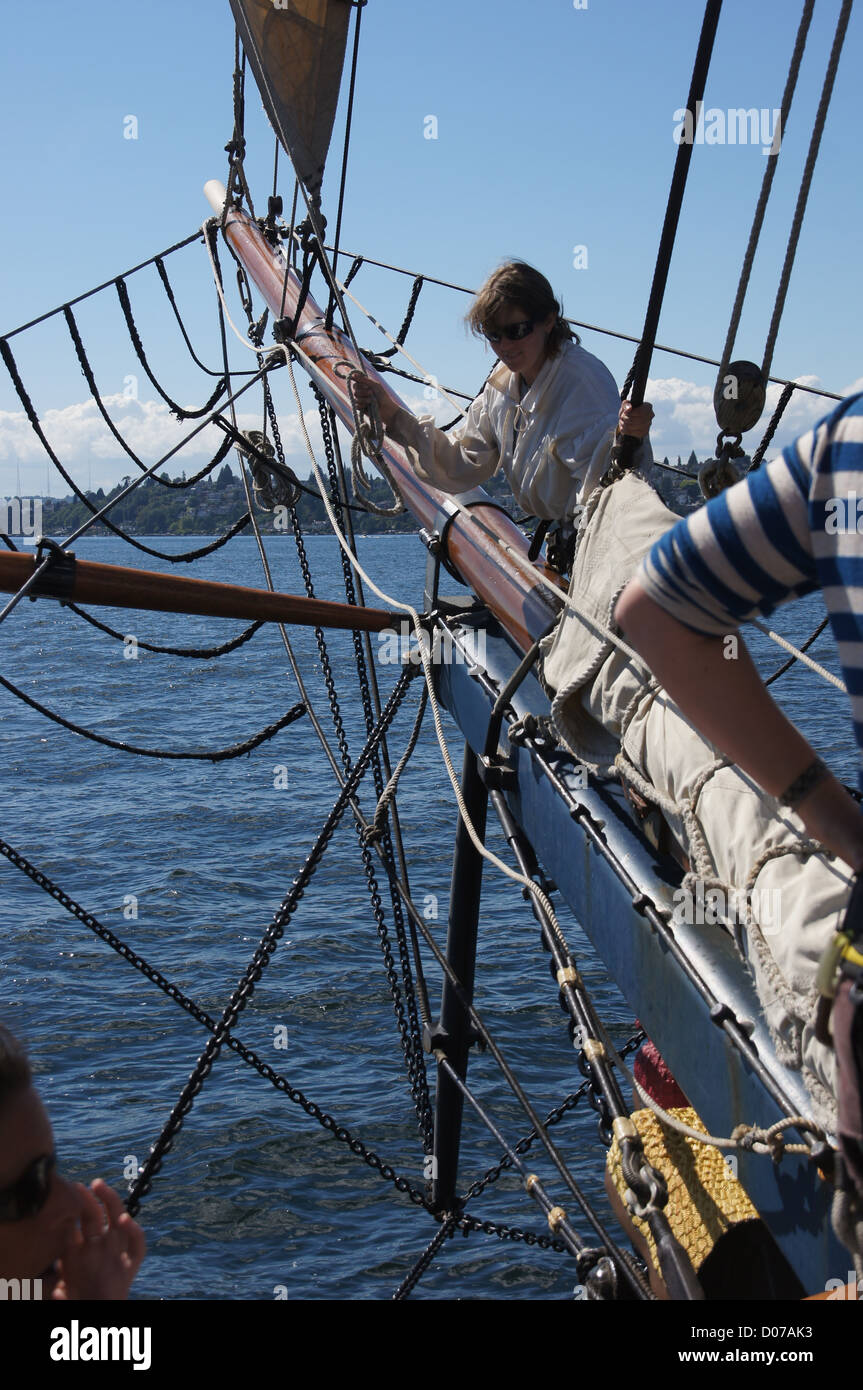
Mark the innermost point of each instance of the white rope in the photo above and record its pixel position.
(253, 347)
(422, 639)
(403, 350)
(801, 656)
(744, 1137)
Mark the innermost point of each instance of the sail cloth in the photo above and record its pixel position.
(751, 863)
(296, 50)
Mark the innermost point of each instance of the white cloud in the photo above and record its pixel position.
(685, 419)
(87, 449)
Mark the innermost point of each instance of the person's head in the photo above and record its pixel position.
(518, 299)
(38, 1209)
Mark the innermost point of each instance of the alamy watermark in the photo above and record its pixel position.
(844, 515)
(396, 647)
(737, 126)
(21, 516)
(20, 1290)
(716, 906)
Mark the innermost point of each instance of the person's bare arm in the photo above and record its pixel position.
(717, 687)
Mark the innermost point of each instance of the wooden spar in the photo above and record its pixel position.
(120, 587)
(486, 547)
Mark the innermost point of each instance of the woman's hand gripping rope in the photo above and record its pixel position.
(368, 439)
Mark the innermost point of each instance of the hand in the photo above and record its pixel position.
(105, 1253)
(363, 390)
(635, 420)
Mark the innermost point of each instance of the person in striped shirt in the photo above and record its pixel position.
(784, 530)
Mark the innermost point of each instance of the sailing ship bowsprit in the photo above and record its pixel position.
(589, 841)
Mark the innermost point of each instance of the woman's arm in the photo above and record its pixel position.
(451, 464)
(715, 684)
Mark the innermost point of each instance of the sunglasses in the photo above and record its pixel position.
(513, 332)
(27, 1196)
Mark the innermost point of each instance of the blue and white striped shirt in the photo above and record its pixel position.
(792, 526)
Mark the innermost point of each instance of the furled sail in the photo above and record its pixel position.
(296, 50)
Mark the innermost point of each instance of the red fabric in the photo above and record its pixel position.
(651, 1072)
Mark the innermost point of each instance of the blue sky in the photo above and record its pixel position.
(554, 129)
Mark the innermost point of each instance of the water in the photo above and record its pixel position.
(187, 862)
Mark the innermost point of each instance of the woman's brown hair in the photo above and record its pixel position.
(515, 283)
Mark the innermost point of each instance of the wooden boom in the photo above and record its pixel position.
(118, 586)
(485, 546)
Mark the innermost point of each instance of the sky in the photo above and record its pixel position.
(482, 131)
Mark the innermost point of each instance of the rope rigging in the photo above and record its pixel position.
(197, 653)
(740, 386)
(237, 750)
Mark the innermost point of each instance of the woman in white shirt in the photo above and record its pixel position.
(547, 414)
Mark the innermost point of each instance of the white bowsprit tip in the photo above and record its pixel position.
(215, 194)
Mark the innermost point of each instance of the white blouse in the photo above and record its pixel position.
(549, 442)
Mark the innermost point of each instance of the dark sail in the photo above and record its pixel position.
(296, 51)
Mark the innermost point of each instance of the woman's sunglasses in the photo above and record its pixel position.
(513, 332)
(27, 1196)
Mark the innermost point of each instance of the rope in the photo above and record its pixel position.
(804, 646)
(87, 370)
(799, 655)
(344, 174)
(199, 653)
(209, 227)
(180, 411)
(785, 397)
(168, 288)
(769, 1142)
(672, 215)
(806, 182)
(766, 185)
(376, 828)
(236, 146)
(379, 326)
(235, 751)
(368, 439)
(382, 363)
(97, 513)
(105, 285)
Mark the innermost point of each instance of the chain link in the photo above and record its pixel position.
(262, 956)
(410, 1031)
(201, 1016)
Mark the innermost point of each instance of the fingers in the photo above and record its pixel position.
(103, 1257)
(91, 1217)
(132, 1239)
(136, 1243)
(636, 420)
(112, 1201)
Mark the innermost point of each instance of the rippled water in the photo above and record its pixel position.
(255, 1196)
